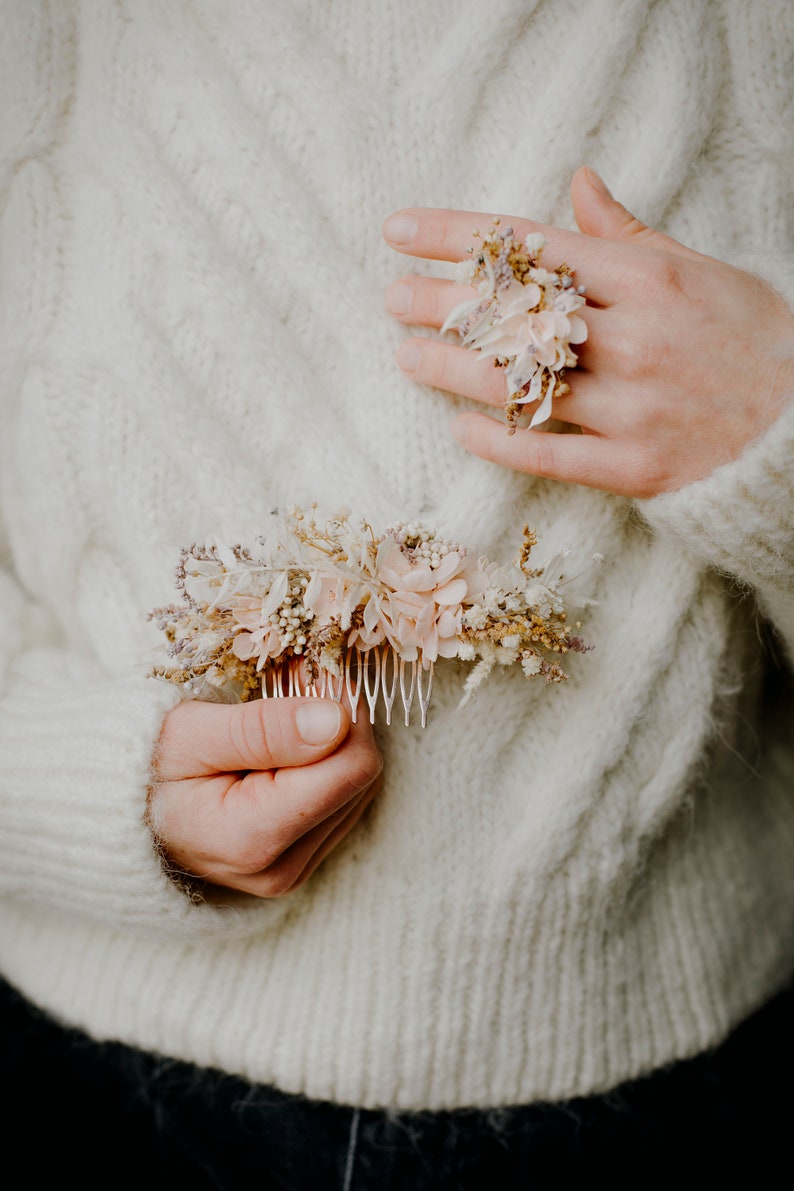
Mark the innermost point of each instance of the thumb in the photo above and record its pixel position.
(199, 739)
(599, 214)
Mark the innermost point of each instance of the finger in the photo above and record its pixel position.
(467, 372)
(287, 870)
(300, 799)
(611, 270)
(604, 267)
(295, 866)
(220, 826)
(343, 828)
(598, 213)
(425, 301)
(590, 460)
(441, 234)
(229, 824)
(455, 369)
(589, 404)
(203, 738)
(604, 326)
(606, 407)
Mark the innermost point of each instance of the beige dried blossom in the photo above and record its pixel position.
(524, 317)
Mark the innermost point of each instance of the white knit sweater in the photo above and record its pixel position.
(559, 888)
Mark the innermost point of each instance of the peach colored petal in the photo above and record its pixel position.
(407, 603)
(447, 647)
(244, 646)
(450, 564)
(430, 644)
(426, 618)
(451, 593)
(449, 623)
(578, 331)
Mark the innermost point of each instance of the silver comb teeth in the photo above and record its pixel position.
(377, 673)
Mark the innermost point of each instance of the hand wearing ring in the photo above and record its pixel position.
(687, 359)
(523, 317)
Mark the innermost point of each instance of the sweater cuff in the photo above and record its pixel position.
(740, 519)
(73, 788)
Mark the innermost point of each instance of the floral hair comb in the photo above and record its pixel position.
(334, 608)
(524, 316)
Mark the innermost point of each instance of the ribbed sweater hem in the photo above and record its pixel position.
(574, 1006)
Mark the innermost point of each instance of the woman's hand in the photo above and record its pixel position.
(687, 359)
(254, 796)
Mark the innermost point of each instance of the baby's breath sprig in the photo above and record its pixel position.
(523, 317)
(323, 607)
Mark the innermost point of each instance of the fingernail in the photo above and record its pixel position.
(399, 298)
(408, 356)
(598, 184)
(400, 229)
(460, 429)
(319, 722)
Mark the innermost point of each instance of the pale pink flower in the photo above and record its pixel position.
(255, 636)
(528, 323)
(422, 606)
(262, 643)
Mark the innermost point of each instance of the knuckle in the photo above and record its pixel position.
(623, 348)
(363, 768)
(640, 357)
(283, 879)
(436, 306)
(669, 275)
(439, 366)
(444, 234)
(252, 855)
(254, 837)
(663, 279)
(541, 458)
(635, 229)
(275, 885)
(492, 382)
(254, 734)
(241, 737)
(371, 767)
(286, 875)
(653, 472)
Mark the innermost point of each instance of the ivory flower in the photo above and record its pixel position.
(524, 317)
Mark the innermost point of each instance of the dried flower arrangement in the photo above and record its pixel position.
(523, 315)
(331, 607)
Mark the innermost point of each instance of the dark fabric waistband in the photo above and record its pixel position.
(105, 1112)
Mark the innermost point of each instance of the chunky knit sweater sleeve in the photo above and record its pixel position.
(76, 734)
(740, 520)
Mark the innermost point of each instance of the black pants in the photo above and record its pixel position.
(107, 1116)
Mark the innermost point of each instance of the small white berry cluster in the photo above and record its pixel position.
(292, 617)
(423, 543)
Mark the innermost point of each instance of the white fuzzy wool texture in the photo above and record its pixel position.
(559, 888)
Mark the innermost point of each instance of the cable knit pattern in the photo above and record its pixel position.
(558, 888)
